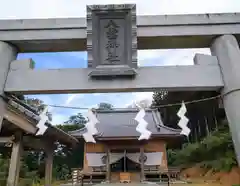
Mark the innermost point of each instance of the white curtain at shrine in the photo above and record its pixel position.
(114, 157)
(133, 157)
(95, 159)
(153, 158)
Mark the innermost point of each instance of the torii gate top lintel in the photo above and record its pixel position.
(153, 31)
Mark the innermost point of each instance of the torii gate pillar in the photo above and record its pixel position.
(8, 53)
(15, 164)
(226, 49)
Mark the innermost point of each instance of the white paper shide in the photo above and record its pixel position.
(91, 127)
(41, 124)
(183, 120)
(142, 125)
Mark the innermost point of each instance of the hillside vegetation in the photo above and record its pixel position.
(209, 144)
(211, 160)
(214, 152)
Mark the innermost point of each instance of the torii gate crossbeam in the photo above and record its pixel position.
(154, 32)
(172, 78)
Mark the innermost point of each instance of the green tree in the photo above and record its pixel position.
(215, 152)
(4, 163)
(203, 116)
(38, 105)
(66, 158)
(76, 119)
(70, 127)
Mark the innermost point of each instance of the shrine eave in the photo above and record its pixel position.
(31, 115)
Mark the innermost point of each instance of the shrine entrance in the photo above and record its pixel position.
(125, 169)
(125, 164)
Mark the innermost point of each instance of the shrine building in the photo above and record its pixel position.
(118, 155)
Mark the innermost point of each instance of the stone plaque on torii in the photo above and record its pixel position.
(108, 57)
(112, 40)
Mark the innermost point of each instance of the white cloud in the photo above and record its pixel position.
(76, 8)
(96, 94)
(183, 56)
(150, 54)
(72, 97)
(143, 95)
(169, 57)
(59, 118)
(139, 96)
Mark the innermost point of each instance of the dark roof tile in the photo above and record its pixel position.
(121, 123)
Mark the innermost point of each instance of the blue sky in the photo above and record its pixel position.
(29, 9)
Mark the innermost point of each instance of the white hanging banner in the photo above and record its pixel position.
(95, 159)
(41, 124)
(183, 120)
(91, 127)
(153, 158)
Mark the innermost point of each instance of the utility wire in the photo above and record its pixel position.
(160, 106)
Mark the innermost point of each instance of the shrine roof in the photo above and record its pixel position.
(32, 115)
(121, 123)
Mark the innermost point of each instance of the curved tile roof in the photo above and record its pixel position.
(33, 115)
(121, 123)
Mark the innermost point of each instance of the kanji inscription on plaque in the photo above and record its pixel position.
(112, 44)
(112, 40)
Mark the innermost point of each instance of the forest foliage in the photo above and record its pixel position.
(213, 152)
(210, 143)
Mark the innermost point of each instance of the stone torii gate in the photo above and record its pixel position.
(112, 34)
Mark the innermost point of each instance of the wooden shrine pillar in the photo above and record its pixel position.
(14, 167)
(142, 163)
(108, 166)
(49, 150)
